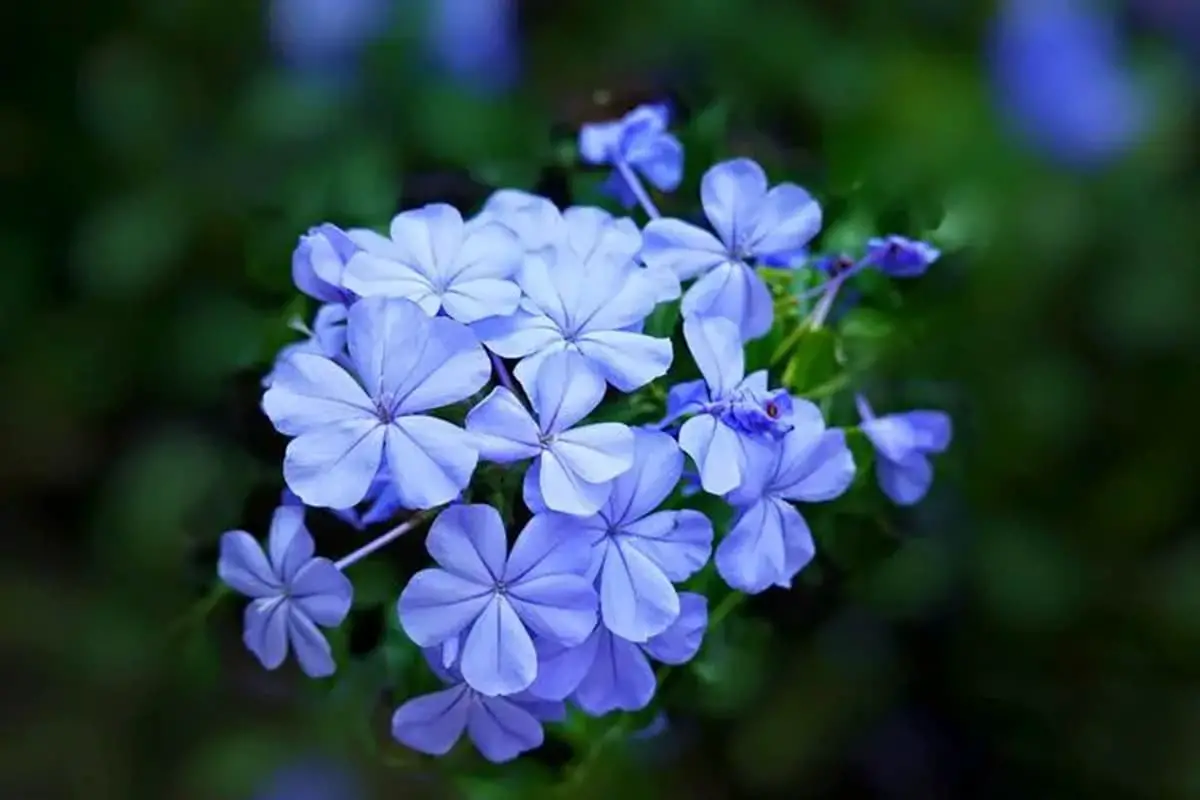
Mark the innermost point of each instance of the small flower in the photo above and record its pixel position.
(733, 413)
(501, 728)
(750, 223)
(900, 257)
(317, 778)
(586, 295)
(345, 420)
(319, 262)
(574, 466)
(441, 263)
(903, 443)
(498, 600)
(639, 139)
(325, 36)
(292, 592)
(770, 542)
(607, 673)
(474, 41)
(637, 552)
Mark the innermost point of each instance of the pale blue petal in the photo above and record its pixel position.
(786, 222)
(547, 546)
(315, 251)
(732, 193)
(626, 359)
(678, 542)
(657, 465)
(522, 333)
(892, 436)
(322, 593)
(616, 295)
(313, 652)
(751, 557)
(907, 481)
(502, 729)
(244, 567)
(932, 430)
(637, 600)
(469, 541)
(333, 466)
(542, 710)
(664, 283)
(451, 367)
(717, 450)
(534, 219)
(593, 232)
(428, 239)
(561, 668)
(620, 678)
(308, 391)
(385, 337)
(565, 390)
(716, 346)
(436, 605)
(686, 398)
(551, 279)
(498, 656)
(799, 547)
(531, 490)
(501, 428)
(265, 630)
(562, 490)
(734, 291)
(679, 643)
(596, 453)
(682, 248)
(599, 140)
(478, 298)
(430, 459)
(661, 161)
(527, 369)
(372, 275)
(559, 607)
(289, 544)
(812, 472)
(432, 723)
(489, 250)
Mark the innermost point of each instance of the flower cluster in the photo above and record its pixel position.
(420, 326)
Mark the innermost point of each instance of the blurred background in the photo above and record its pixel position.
(1031, 630)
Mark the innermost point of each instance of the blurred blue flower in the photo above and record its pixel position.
(903, 443)
(900, 257)
(751, 222)
(344, 421)
(315, 779)
(641, 141)
(573, 466)
(292, 592)
(325, 37)
(770, 541)
(499, 599)
(474, 41)
(1061, 80)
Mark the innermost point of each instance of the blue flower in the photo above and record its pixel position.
(607, 673)
(325, 36)
(584, 293)
(534, 219)
(497, 599)
(637, 552)
(474, 40)
(733, 414)
(315, 779)
(292, 592)
(900, 257)
(903, 443)
(751, 223)
(1061, 80)
(640, 140)
(319, 262)
(441, 263)
(574, 466)
(344, 421)
(770, 542)
(500, 727)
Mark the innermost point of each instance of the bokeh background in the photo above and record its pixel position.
(1032, 630)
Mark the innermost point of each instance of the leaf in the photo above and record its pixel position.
(849, 234)
(375, 583)
(865, 335)
(813, 361)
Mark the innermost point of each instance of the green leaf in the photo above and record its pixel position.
(849, 234)
(865, 335)
(813, 361)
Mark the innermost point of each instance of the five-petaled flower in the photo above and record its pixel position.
(903, 443)
(292, 593)
(639, 140)
(402, 363)
(770, 541)
(498, 599)
(750, 223)
(901, 257)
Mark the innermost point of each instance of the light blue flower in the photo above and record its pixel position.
(441, 263)
(574, 466)
(901, 257)
(292, 593)
(733, 414)
(640, 140)
(770, 541)
(750, 223)
(319, 262)
(903, 443)
(474, 41)
(584, 293)
(344, 421)
(498, 598)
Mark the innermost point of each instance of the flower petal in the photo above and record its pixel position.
(734, 291)
(322, 592)
(596, 453)
(751, 557)
(333, 466)
(478, 298)
(312, 649)
(309, 391)
(244, 567)
(265, 630)
(501, 429)
(564, 390)
(561, 489)
(430, 459)
(787, 220)
(498, 656)
(716, 346)
(814, 471)
(626, 359)
(717, 449)
(637, 600)
(657, 465)
(678, 542)
(432, 723)
(559, 607)
(518, 335)
(620, 677)
(289, 544)
(732, 193)
(502, 729)
(679, 643)
(905, 482)
(684, 249)
(469, 541)
(544, 547)
(436, 605)
(561, 668)
(372, 275)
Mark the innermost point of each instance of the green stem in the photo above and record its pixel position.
(199, 610)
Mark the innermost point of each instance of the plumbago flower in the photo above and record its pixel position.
(750, 223)
(319, 262)
(640, 141)
(573, 466)
(586, 294)
(441, 263)
(293, 592)
(498, 599)
(901, 257)
(345, 421)
(732, 414)
(770, 541)
(903, 443)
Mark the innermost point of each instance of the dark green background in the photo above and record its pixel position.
(1032, 630)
